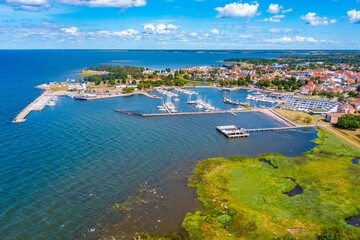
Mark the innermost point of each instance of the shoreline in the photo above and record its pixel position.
(218, 200)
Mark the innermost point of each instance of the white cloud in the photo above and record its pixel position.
(310, 39)
(286, 10)
(274, 8)
(214, 31)
(287, 39)
(314, 20)
(126, 33)
(105, 3)
(246, 36)
(279, 16)
(193, 34)
(172, 27)
(29, 5)
(160, 28)
(354, 16)
(280, 30)
(74, 31)
(237, 10)
(271, 20)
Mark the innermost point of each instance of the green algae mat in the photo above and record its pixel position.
(245, 198)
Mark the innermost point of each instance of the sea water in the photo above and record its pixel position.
(63, 169)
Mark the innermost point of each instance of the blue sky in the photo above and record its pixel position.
(179, 24)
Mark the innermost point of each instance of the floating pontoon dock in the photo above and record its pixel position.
(233, 131)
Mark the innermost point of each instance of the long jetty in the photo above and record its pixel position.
(37, 105)
(279, 128)
(184, 113)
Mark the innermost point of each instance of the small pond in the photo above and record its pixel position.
(296, 190)
(267, 162)
(355, 161)
(354, 221)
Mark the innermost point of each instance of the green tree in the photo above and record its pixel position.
(128, 89)
(341, 98)
(248, 78)
(352, 93)
(308, 119)
(348, 121)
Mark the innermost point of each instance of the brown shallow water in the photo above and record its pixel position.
(154, 210)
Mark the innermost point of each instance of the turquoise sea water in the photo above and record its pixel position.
(62, 169)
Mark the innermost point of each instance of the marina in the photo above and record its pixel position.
(263, 98)
(185, 91)
(95, 158)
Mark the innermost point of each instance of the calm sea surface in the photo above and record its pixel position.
(63, 169)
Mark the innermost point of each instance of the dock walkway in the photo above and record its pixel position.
(280, 128)
(233, 131)
(184, 113)
(37, 105)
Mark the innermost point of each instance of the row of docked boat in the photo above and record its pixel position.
(262, 98)
(185, 91)
(167, 106)
(52, 101)
(201, 104)
(167, 93)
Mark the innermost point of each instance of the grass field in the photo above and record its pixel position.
(244, 198)
(299, 117)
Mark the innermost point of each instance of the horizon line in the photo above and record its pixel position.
(170, 49)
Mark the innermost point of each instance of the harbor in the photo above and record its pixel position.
(45, 99)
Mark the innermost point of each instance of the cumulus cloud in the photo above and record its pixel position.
(193, 34)
(126, 33)
(29, 5)
(105, 3)
(287, 39)
(74, 31)
(354, 16)
(314, 20)
(237, 10)
(159, 29)
(274, 8)
(214, 31)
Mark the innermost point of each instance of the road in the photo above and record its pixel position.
(346, 139)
